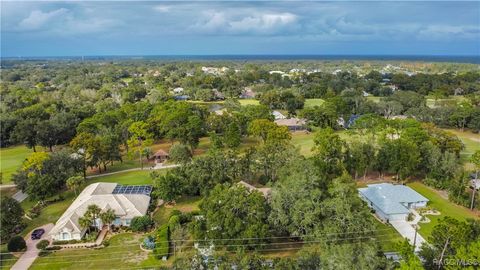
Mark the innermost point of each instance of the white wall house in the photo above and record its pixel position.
(126, 201)
(392, 202)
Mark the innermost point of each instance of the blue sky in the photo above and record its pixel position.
(76, 28)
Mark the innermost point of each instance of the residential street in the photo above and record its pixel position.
(27, 259)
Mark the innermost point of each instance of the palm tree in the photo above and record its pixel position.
(74, 182)
(85, 222)
(93, 211)
(108, 217)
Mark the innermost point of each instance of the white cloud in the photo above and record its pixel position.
(37, 19)
(215, 22)
(162, 8)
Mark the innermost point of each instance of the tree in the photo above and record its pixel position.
(88, 146)
(74, 183)
(232, 213)
(140, 139)
(92, 214)
(167, 187)
(12, 214)
(268, 131)
(107, 217)
(232, 136)
(180, 153)
(141, 224)
(328, 152)
(16, 244)
(85, 222)
(475, 159)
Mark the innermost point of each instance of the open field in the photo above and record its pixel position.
(441, 204)
(304, 141)
(470, 140)
(311, 102)
(122, 253)
(245, 102)
(184, 204)
(10, 160)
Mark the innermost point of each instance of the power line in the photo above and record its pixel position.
(216, 246)
(239, 239)
(253, 238)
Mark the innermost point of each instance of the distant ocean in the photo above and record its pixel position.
(474, 59)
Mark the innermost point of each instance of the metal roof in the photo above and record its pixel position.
(390, 198)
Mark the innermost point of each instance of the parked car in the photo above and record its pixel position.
(37, 234)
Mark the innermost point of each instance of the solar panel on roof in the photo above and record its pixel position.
(131, 189)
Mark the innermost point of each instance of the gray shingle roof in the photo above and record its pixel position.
(389, 198)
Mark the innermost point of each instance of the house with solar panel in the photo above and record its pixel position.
(392, 202)
(126, 201)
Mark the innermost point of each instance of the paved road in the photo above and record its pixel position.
(27, 258)
(156, 167)
(407, 231)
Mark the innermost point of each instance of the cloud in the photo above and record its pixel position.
(162, 8)
(215, 22)
(37, 19)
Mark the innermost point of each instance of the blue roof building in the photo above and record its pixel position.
(392, 202)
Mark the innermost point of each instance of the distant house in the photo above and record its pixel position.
(248, 93)
(265, 191)
(178, 90)
(182, 97)
(126, 201)
(351, 121)
(278, 115)
(293, 124)
(160, 156)
(392, 202)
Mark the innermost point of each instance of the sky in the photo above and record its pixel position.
(76, 28)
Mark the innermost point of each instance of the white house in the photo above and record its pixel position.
(278, 115)
(392, 202)
(126, 201)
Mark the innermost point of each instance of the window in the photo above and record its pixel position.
(65, 236)
(127, 222)
(117, 222)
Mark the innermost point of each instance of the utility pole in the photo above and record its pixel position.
(473, 195)
(415, 237)
(440, 262)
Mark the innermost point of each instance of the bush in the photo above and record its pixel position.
(65, 242)
(149, 242)
(53, 248)
(43, 244)
(17, 243)
(180, 153)
(141, 224)
(162, 237)
(174, 221)
(106, 243)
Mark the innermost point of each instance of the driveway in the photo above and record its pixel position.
(407, 231)
(27, 258)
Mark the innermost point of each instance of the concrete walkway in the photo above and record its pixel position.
(407, 231)
(27, 258)
(20, 196)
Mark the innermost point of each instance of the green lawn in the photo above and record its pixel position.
(184, 204)
(304, 141)
(245, 102)
(441, 204)
(310, 102)
(127, 178)
(6, 259)
(470, 140)
(11, 158)
(123, 252)
(387, 236)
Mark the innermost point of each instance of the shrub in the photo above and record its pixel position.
(106, 243)
(53, 248)
(43, 244)
(180, 153)
(141, 224)
(162, 237)
(149, 242)
(174, 221)
(17, 243)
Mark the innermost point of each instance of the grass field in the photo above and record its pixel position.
(304, 141)
(184, 204)
(441, 204)
(245, 102)
(6, 259)
(123, 252)
(470, 140)
(310, 102)
(11, 158)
